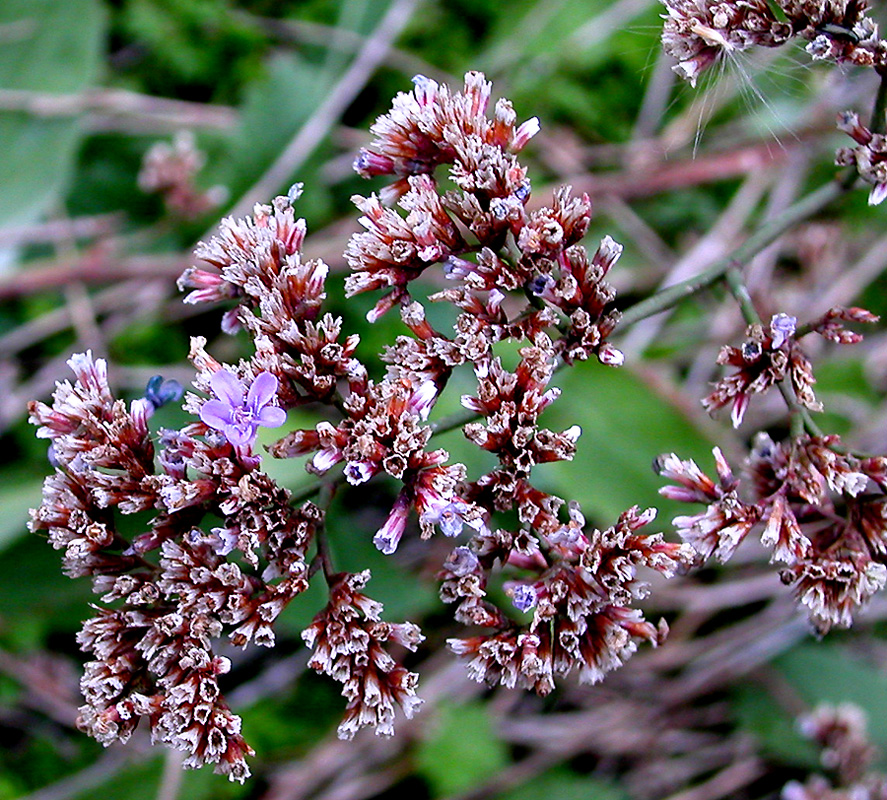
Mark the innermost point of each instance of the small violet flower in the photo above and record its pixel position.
(449, 516)
(239, 411)
(523, 597)
(782, 328)
(159, 392)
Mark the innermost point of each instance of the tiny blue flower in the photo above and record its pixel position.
(159, 392)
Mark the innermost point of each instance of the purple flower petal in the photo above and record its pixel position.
(262, 391)
(240, 434)
(216, 414)
(271, 417)
(227, 387)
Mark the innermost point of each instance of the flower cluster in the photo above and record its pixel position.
(581, 589)
(170, 171)
(154, 653)
(821, 512)
(698, 33)
(347, 638)
(431, 127)
(772, 355)
(227, 549)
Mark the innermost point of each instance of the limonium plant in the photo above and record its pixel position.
(228, 548)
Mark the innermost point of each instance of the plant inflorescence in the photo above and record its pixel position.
(543, 593)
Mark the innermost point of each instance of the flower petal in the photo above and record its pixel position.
(262, 391)
(227, 387)
(877, 194)
(270, 417)
(216, 414)
(240, 434)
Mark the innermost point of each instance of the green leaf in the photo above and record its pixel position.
(36, 594)
(351, 524)
(563, 784)
(462, 750)
(775, 730)
(16, 497)
(51, 47)
(625, 425)
(275, 108)
(142, 780)
(827, 673)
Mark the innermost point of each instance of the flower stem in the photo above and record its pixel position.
(763, 237)
(879, 112)
(323, 559)
(737, 287)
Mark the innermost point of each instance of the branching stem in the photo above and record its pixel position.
(324, 559)
(763, 237)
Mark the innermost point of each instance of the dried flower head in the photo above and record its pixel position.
(810, 501)
(869, 156)
(228, 549)
(348, 639)
(846, 752)
(772, 355)
(767, 357)
(698, 33)
(153, 654)
(170, 170)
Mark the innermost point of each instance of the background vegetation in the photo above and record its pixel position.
(276, 92)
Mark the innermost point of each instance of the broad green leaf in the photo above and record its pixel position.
(461, 751)
(562, 784)
(828, 673)
(625, 425)
(16, 497)
(37, 594)
(351, 527)
(775, 730)
(47, 47)
(141, 780)
(291, 723)
(274, 110)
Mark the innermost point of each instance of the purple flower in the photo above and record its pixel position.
(389, 535)
(449, 516)
(782, 328)
(239, 412)
(159, 392)
(523, 597)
